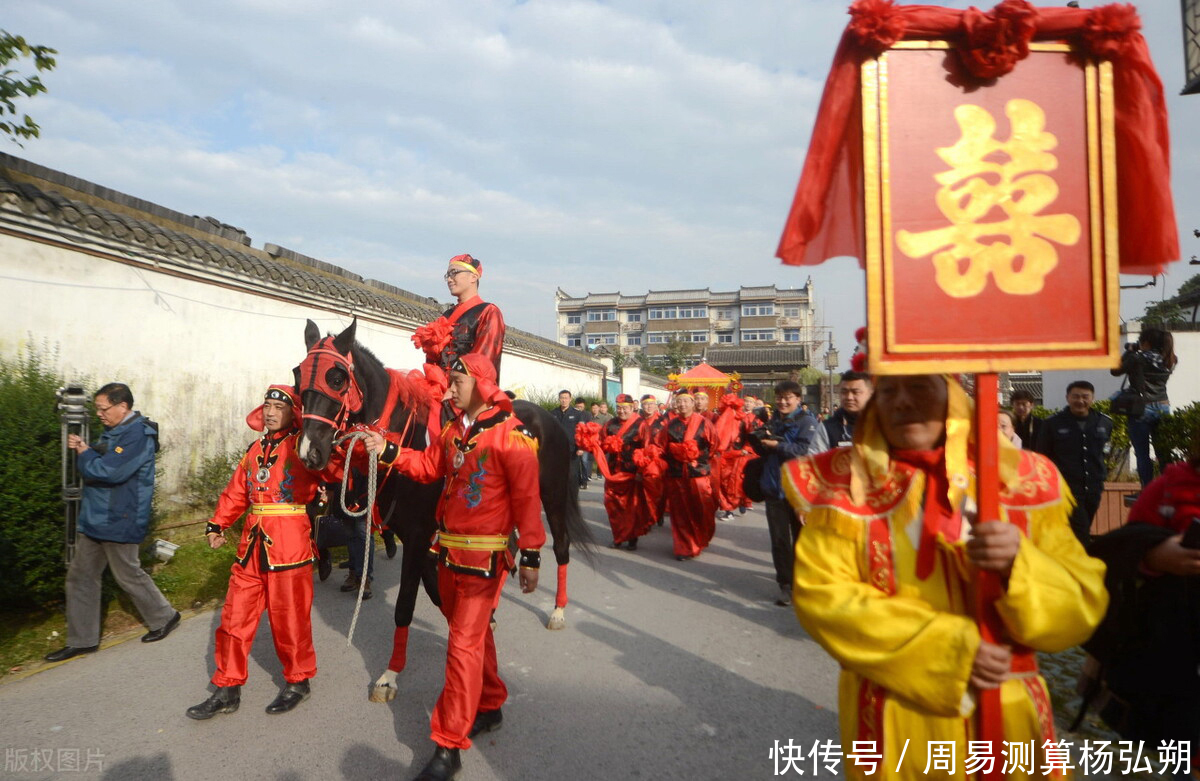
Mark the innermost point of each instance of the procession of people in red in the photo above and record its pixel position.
(689, 462)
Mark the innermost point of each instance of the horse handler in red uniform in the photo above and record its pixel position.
(489, 463)
(274, 558)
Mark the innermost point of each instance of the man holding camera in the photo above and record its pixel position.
(787, 435)
(118, 475)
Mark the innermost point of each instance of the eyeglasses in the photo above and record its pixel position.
(449, 275)
(104, 409)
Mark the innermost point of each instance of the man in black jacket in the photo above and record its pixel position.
(1076, 440)
(568, 417)
(854, 391)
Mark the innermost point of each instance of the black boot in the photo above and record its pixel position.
(292, 695)
(632, 544)
(225, 699)
(324, 565)
(486, 721)
(445, 765)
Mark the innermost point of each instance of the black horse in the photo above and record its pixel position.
(341, 383)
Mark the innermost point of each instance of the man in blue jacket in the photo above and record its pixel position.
(118, 475)
(788, 434)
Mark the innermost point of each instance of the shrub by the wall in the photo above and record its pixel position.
(31, 527)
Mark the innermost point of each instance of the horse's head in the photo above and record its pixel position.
(329, 391)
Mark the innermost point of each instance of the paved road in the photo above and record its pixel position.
(666, 670)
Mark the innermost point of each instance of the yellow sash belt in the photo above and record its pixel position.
(494, 542)
(277, 509)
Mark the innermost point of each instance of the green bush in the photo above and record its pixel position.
(1175, 433)
(31, 536)
(203, 486)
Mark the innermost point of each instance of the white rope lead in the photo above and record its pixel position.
(372, 470)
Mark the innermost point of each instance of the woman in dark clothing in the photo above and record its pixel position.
(1148, 367)
(1149, 644)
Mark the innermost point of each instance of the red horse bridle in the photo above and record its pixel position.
(322, 359)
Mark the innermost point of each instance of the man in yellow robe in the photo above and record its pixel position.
(885, 579)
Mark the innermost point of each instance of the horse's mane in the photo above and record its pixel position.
(412, 394)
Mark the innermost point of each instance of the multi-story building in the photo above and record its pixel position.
(750, 317)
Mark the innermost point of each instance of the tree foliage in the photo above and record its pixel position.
(678, 353)
(1170, 311)
(13, 85)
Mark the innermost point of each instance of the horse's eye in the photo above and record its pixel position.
(336, 378)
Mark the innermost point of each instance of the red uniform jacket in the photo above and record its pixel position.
(493, 490)
(282, 526)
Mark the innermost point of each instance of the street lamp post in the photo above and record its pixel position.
(831, 362)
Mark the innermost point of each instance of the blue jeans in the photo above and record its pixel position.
(1141, 429)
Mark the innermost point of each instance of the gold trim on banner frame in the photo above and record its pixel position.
(1102, 201)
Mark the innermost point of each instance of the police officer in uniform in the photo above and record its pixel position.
(1076, 439)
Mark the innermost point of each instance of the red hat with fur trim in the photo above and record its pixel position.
(284, 393)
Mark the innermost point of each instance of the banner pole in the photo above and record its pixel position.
(988, 587)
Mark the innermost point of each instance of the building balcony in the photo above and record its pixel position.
(791, 322)
(723, 325)
(633, 326)
(573, 329)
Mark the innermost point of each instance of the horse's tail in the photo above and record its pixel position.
(560, 491)
(578, 531)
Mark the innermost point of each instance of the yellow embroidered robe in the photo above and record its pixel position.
(906, 646)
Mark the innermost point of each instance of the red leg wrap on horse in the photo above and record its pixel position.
(560, 597)
(399, 649)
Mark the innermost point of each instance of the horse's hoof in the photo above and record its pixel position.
(382, 693)
(557, 619)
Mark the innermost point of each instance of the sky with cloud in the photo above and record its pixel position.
(592, 146)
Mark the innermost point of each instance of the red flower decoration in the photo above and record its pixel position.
(996, 41)
(647, 456)
(729, 401)
(433, 381)
(434, 337)
(860, 335)
(685, 452)
(587, 436)
(876, 24)
(858, 362)
(1109, 28)
(613, 444)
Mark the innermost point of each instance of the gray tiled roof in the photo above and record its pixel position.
(775, 356)
(676, 296)
(287, 269)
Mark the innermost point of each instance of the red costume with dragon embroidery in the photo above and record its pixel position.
(275, 552)
(490, 469)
